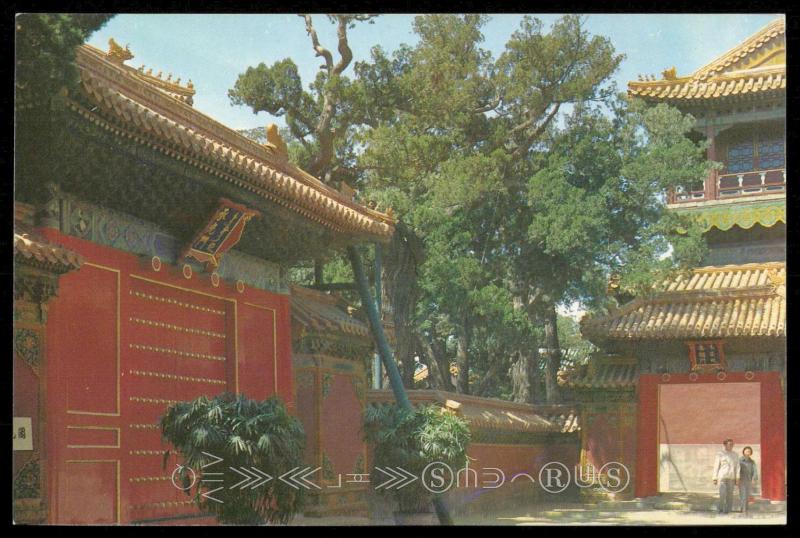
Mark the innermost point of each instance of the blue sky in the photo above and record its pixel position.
(212, 49)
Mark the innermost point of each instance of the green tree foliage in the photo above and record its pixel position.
(454, 159)
(526, 178)
(45, 53)
(597, 201)
(244, 433)
(45, 69)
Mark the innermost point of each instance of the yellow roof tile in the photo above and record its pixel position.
(31, 249)
(732, 300)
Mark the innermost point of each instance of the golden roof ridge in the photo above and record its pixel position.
(757, 40)
(118, 56)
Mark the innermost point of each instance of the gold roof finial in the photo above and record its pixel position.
(274, 139)
(169, 77)
(116, 53)
(670, 74)
(612, 286)
(775, 278)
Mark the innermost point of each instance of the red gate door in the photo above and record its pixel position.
(123, 348)
(180, 344)
(694, 419)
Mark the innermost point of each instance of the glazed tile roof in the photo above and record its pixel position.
(493, 414)
(728, 75)
(721, 86)
(33, 250)
(603, 376)
(728, 301)
(318, 312)
(130, 106)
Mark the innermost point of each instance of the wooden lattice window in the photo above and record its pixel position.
(707, 356)
(740, 158)
(759, 149)
(771, 154)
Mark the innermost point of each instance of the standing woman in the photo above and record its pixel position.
(748, 475)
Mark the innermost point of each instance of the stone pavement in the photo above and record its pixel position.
(594, 515)
(629, 514)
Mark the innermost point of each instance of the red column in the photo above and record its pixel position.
(647, 433)
(711, 190)
(773, 438)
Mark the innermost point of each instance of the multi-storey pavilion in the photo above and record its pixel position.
(705, 359)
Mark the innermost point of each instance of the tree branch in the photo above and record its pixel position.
(538, 132)
(319, 49)
(344, 48)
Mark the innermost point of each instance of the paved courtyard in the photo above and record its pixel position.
(580, 514)
(587, 515)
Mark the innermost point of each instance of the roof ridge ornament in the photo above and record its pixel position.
(117, 54)
(670, 74)
(776, 278)
(275, 141)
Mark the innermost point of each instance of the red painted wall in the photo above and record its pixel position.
(26, 404)
(520, 464)
(123, 342)
(341, 412)
(513, 459)
(710, 413)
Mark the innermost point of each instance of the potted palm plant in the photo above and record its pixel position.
(247, 435)
(412, 441)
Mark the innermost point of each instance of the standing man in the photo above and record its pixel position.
(726, 474)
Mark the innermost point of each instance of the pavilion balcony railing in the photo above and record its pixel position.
(757, 182)
(737, 184)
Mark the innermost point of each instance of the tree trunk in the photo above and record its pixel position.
(438, 365)
(534, 379)
(319, 271)
(520, 380)
(400, 262)
(489, 380)
(552, 355)
(462, 356)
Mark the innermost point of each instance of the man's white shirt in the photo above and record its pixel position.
(726, 465)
